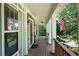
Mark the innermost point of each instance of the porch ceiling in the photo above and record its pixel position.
(41, 11)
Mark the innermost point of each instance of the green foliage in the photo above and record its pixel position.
(42, 30)
(75, 50)
(69, 14)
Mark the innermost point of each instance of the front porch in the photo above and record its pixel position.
(43, 49)
(17, 39)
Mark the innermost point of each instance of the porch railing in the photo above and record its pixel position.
(61, 50)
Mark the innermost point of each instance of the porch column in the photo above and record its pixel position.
(37, 30)
(53, 32)
(49, 31)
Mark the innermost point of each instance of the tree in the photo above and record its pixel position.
(42, 30)
(69, 13)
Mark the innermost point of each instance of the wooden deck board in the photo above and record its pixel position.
(43, 49)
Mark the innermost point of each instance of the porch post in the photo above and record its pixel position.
(49, 31)
(53, 32)
(37, 30)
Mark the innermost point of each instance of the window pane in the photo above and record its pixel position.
(11, 18)
(11, 43)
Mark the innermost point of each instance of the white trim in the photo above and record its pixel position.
(2, 18)
(12, 6)
(10, 31)
(49, 31)
(22, 34)
(26, 33)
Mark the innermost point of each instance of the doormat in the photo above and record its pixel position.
(34, 46)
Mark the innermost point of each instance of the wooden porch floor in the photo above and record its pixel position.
(43, 49)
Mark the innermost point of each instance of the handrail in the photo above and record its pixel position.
(63, 48)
